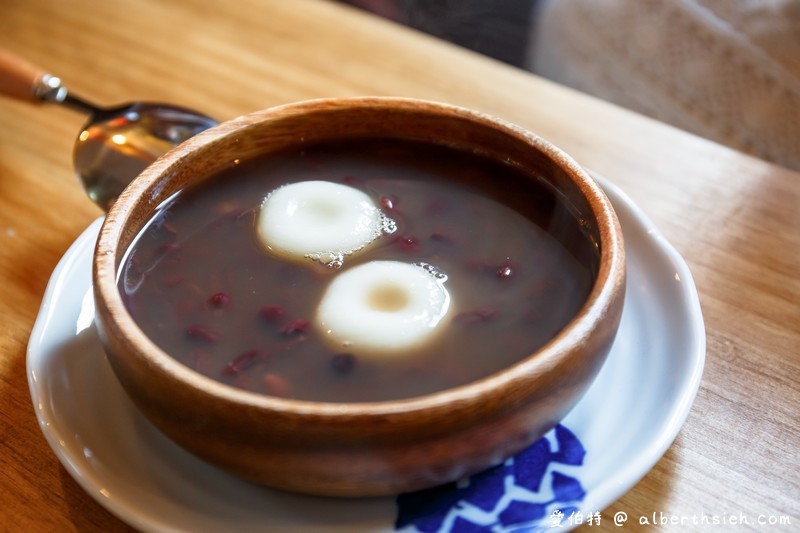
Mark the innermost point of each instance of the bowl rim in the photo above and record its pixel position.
(607, 286)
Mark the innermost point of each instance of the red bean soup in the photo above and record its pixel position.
(518, 263)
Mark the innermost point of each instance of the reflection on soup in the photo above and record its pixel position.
(513, 262)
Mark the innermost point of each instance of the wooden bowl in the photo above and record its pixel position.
(359, 449)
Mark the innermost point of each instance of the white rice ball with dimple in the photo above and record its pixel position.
(318, 220)
(382, 307)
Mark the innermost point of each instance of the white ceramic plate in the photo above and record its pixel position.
(614, 436)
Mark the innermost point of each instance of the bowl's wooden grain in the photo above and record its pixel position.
(365, 448)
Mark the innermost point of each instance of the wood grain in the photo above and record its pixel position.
(734, 218)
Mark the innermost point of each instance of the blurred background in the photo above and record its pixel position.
(727, 70)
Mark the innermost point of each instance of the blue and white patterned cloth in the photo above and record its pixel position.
(525, 493)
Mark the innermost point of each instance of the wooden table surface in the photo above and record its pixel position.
(734, 218)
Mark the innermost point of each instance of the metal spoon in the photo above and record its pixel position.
(116, 143)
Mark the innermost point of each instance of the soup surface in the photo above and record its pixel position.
(201, 284)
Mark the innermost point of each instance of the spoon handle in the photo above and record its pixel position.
(25, 81)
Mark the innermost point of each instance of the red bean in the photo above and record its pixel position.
(441, 236)
(478, 315)
(507, 270)
(242, 362)
(272, 313)
(168, 247)
(219, 300)
(172, 281)
(388, 202)
(203, 333)
(277, 385)
(169, 228)
(343, 363)
(298, 325)
(437, 207)
(246, 217)
(407, 243)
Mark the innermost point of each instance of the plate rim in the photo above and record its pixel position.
(635, 471)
